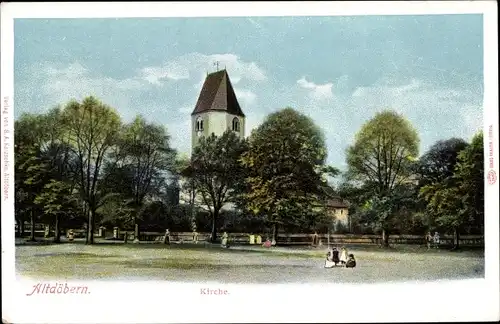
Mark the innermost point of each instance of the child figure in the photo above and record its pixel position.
(351, 262)
(332, 258)
(225, 239)
(429, 238)
(436, 240)
(343, 255)
(335, 256)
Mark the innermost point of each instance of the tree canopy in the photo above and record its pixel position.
(285, 162)
(381, 161)
(216, 170)
(456, 201)
(81, 162)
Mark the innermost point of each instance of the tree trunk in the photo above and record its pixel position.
(385, 238)
(32, 219)
(21, 228)
(57, 230)
(90, 227)
(87, 215)
(213, 237)
(136, 232)
(275, 232)
(456, 239)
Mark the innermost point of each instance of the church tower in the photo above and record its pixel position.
(217, 109)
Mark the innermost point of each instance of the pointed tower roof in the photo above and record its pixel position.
(218, 94)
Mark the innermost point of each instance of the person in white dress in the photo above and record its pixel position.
(343, 255)
(332, 258)
(436, 240)
(224, 240)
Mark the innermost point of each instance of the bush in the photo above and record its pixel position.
(341, 228)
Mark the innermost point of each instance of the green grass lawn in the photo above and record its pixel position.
(252, 264)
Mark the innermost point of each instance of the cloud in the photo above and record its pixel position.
(317, 91)
(253, 120)
(187, 109)
(245, 97)
(437, 111)
(49, 85)
(196, 65)
(181, 136)
(159, 74)
(339, 106)
(385, 86)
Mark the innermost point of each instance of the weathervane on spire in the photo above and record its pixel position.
(216, 64)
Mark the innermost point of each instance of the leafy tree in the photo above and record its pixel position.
(31, 172)
(116, 211)
(31, 182)
(458, 200)
(92, 129)
(434, 167)
(188, 186)
(470, 172)
(285, 166)
(147, 156)
(439, 162)
(380, 161)
(57, 199)
(215, 168)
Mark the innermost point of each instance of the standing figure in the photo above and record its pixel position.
(436, 240)
(343, 255)
(335, 256)
(429, 239)
(225, 240)
(351, 262)
(315, 239)
(195, 233)
(166, 239)
(71, 235)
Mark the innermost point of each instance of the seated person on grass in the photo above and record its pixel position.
(332, 258)
(351, 262)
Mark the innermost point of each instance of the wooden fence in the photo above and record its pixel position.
(282, 239)
(301, 239)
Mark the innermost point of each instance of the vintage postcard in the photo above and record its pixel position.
(208, 162)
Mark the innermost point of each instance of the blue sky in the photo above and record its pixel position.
(338, 70)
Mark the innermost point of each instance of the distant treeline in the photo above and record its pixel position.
(80, 166)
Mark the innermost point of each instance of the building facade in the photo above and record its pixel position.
(338, 210)
(217, 109)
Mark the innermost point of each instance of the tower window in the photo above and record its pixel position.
(236, 124)
(199, 124)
